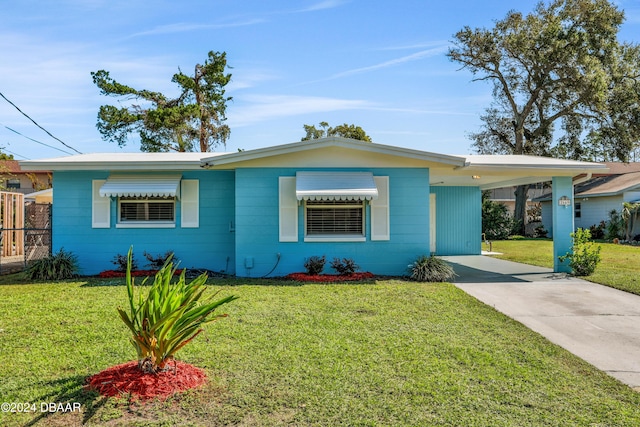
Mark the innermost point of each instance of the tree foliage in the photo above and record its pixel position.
(343, 130)
(497, 223)
(192, 121)
(559, 71)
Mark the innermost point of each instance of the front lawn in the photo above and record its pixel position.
(379, 353)
(619, 268)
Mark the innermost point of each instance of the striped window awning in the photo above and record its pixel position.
(141, 186)
(314, 185)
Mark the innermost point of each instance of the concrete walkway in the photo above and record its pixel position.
(596, 323)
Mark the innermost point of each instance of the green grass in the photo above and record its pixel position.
(388, 353)
(619, 268)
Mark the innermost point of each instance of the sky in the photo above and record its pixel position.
(378, 64)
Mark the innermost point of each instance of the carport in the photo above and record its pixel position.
(498, 171)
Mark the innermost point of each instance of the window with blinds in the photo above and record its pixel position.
(334, 217)
(146, 209)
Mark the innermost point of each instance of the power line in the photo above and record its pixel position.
(35, 123)
(15, 154)
(34, 140)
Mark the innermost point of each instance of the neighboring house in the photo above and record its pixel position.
(264, 211)
(507, 197)
(41, 197)
(16, 180)
(598, 194)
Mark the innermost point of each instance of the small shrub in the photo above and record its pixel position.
(431, 269)
(586, 255)
(598, 231)
(60, 266)
(157, 261)
(344, 266)
(540, 232)
(315, 264)
(168, 317)
(497, 222)
(120, 261)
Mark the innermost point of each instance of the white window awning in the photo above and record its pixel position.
(141, 186)
(335, 186)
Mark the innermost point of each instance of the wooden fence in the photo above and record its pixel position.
(12, 219)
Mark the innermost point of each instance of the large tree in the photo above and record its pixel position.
(344, 130)
(192, 121)
(560, 76)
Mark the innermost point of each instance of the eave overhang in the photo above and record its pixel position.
(242, 158)
(118, 162)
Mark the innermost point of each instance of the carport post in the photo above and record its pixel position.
(562, 206)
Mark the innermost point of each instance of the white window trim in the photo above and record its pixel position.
(288, 209)
(335, 238)
(190, 203)
(339, 237)
(379, 209)
(143, 223)
(100, 206)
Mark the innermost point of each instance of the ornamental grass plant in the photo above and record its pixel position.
(59, 266)
(430, 269)
(169, 316)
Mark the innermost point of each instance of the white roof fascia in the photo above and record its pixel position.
(516, 162)
(120, 161)
(332, 142)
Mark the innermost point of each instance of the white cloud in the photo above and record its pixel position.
(183, 27)
(245, 79)
(429, 44)
(262, 108)
(393, 62)
(323, 5)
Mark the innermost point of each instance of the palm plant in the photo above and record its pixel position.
(629, 216)
(169, 317)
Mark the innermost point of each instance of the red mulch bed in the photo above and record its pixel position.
(107, 274)
(127, 379)
(329, 278)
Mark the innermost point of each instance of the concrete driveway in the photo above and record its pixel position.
(596, 323)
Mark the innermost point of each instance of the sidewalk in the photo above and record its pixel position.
(596, 323)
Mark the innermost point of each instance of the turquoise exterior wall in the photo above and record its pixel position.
(239, 223)
(210, 246)
(458, 220)
(257, 240)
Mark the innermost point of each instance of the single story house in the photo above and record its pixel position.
(597, 194)
(264, 211)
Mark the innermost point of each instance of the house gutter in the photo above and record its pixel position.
(583, 179)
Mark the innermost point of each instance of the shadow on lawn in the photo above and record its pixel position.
(70, 391)
(234, 281)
